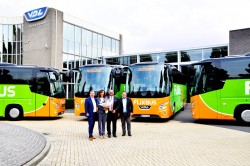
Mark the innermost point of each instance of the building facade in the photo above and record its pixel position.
(179, 58)
(11, 36)
(51, 38)
(239, 41)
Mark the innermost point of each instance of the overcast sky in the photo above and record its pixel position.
(152, 25)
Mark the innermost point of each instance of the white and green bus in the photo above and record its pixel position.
(30, 91)
(221, 89)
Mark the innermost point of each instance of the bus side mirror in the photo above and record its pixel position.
(117, 72)
(68, 75)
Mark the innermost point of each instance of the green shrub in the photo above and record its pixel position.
(69, 103)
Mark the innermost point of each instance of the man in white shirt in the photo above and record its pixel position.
(125, 109)
(112, 114)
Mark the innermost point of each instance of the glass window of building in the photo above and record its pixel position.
(133, 59)
(94, 52)
(10, 36)
(84, 36)
(124, 60)
(107, 43)
(216, 52)
(89, 61)
(113, 45)
(20, 33)
(1, 48)
(89, 38)
(95, 40)
(5, 32)
(219, 52)
(84, 50)
(112, 61)
(89, 51)
(148, 58)
(5, 47)
(1, 32)
(71, 47)
(71, 62)
(15, 32)
(78, 63)
(99, 41)
(9, 47)
(77, 48)
(77, 34)
(191, 55)
(168, 57)
(65, 61)
(71, 32)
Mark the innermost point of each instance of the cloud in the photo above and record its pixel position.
(152, 25)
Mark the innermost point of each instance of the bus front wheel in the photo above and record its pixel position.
(243, 114)
(14, 112)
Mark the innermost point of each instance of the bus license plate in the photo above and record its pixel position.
(145, 116)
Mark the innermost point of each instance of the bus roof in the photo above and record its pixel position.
(7, 64)
(146, 63)
(102, 65)
(212, 60)
(27, 67)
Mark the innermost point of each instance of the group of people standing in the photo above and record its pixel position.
(94, 110)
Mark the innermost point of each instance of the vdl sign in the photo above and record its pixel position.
(36, 14)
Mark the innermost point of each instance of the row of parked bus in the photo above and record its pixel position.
(220, 89)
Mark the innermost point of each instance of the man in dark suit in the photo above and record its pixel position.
(112, 114)
(125, 110)
(91, 112)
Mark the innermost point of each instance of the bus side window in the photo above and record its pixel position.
(42, 83)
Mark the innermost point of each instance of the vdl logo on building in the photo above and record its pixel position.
(36, 14)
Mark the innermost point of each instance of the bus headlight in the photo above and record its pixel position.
(193, 104)
(163, 106)
(77, 105)
(56, 106)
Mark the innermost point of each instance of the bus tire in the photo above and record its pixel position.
(14, 112)
(243, 114)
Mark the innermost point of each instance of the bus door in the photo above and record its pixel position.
(42, 95)
(208, 103)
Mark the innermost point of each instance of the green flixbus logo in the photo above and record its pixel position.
(247, 87)
(7, 91)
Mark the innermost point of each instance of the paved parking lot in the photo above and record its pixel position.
(180, 141)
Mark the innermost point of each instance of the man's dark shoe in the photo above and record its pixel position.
(129, 135)
(123, 134)
(109, 136)
(114, 135)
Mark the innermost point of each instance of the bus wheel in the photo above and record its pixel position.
(243, 115)
(14, 112)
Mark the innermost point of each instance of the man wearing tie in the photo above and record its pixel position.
(112, 114)
(125, 110)
(91, 112)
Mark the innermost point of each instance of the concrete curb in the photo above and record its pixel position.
(41, 155)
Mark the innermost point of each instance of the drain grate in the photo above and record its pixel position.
(45, 133)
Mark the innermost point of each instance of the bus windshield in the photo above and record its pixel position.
(148, 81)
(92, 78)
(56, 86)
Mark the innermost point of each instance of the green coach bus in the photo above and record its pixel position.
(157, 90)
(30, 91)
(221, 89)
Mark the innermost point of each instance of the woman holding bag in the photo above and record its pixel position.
(102, 115)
